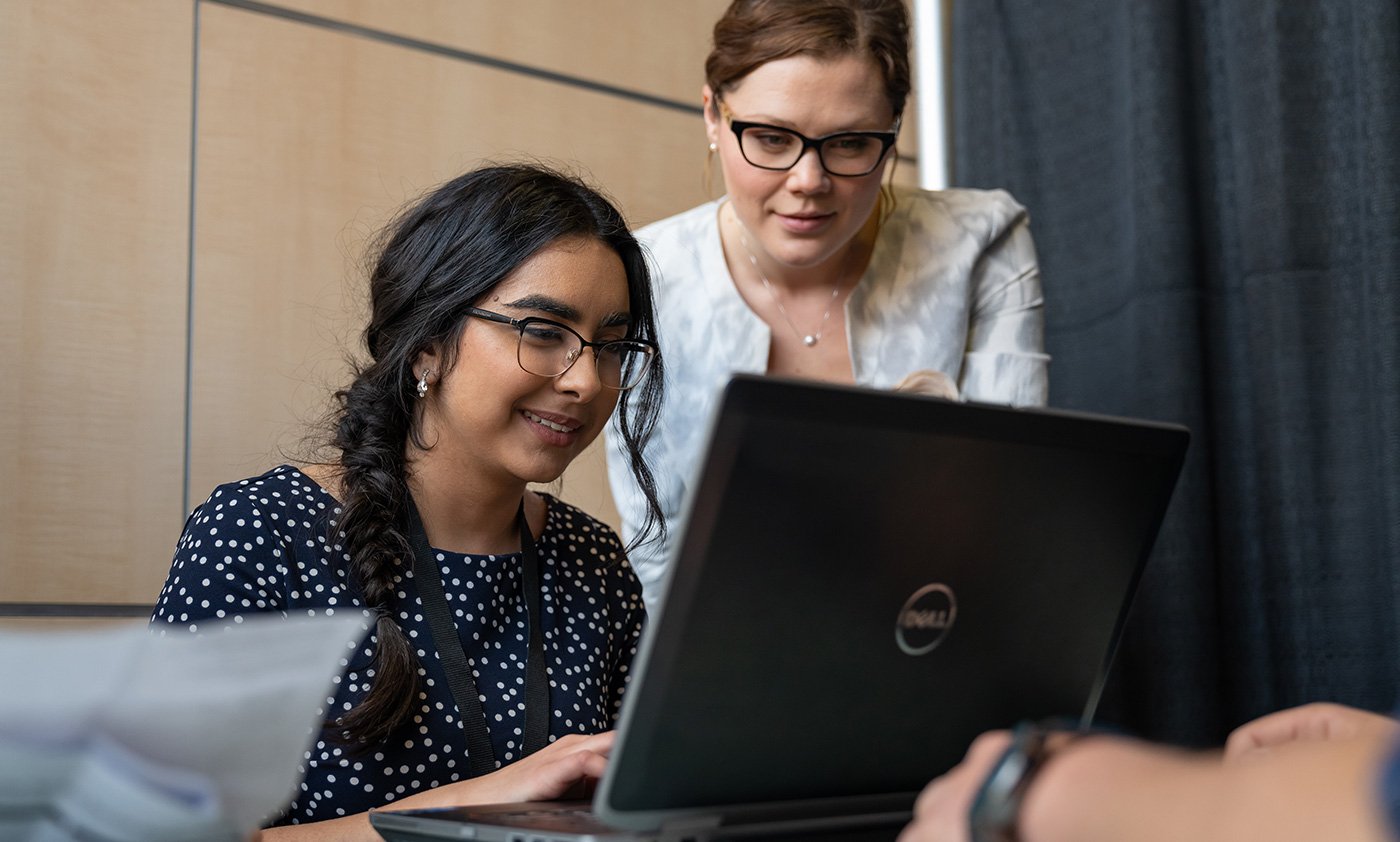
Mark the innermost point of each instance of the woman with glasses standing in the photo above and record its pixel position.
(808, 267)
(511, 312)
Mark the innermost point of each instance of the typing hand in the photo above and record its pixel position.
(927, 382)
(567, 766)
(940, 814)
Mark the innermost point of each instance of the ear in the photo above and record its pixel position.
(430, 362)
(712, 119)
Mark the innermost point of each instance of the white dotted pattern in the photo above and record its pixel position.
(270, 544)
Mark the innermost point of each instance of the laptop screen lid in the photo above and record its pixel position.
(866, 581)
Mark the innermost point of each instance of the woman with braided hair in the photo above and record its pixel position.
(511, 313)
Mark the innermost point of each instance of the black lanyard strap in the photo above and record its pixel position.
(480, 755)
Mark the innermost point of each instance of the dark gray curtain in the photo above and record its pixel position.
(1214, 188)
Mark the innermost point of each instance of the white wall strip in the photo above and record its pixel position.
(932, 51)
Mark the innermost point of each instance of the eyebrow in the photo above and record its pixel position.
(567, 312)
(788, 125)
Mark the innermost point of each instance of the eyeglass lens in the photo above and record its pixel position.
(548, 350)
(841, 154)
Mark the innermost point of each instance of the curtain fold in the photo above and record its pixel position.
(1215, 196)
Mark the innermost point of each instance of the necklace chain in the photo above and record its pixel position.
(808, 339)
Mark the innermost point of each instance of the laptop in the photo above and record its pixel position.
(865, 581)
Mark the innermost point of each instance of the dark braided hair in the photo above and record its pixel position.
(439, 257)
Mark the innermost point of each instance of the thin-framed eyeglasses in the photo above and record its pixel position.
(776, 148)
(548, 349)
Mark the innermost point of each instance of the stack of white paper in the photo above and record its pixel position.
(125, 736)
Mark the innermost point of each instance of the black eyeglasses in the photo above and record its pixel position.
(549, 349)
(776, 148)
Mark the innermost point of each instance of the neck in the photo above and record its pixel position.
(460, 512)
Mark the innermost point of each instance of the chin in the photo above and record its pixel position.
(543, 472)
(802, 252)
(805, 257)
(542, 477)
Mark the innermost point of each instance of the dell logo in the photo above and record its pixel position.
(925, 619)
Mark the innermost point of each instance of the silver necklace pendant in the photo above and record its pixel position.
(810, 339)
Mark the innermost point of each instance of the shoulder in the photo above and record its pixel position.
(280, 486)
(278, 500)
(568, 522)
(240, 546)
(988, 213)
(958, 201)
(579, 538)
(678, 242)
(681, 226)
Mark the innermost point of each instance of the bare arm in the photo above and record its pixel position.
(1307, 723)
(547, 774)
(1120, 790)
(1114, 789)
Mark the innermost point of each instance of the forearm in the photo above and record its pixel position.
(356, 828)
(1111, 789)
(1105, 789)
(548, 774)
(348, 829)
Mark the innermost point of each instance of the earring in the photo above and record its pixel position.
(423, 383)
(707, 174)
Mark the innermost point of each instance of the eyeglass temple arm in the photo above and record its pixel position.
(492, 317)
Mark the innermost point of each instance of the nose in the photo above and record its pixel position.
(807, 175)
(581, 377)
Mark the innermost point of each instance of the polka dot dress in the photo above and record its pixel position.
(265, 544)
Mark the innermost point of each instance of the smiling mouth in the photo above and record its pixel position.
(546, 423)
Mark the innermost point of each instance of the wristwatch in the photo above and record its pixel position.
(998, 803)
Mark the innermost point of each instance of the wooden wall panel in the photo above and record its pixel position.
(654, 47)
(308, 139)
(63, 624)
(94, 162)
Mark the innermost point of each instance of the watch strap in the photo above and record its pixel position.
(997, 806)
